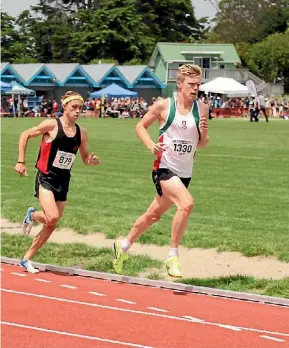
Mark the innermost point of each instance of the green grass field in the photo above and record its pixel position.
(100, 259)
(74, 255)
(240, 185)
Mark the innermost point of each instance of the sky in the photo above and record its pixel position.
(15, 7)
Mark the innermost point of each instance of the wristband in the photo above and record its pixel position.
(21, 162)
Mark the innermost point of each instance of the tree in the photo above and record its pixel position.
(123, 30)
(250, 20)
(270, 58)
(48, 7)
(12, 44)
(170, 20)
(47, 38)
(115, 31)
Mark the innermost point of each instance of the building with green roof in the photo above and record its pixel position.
(216, 60)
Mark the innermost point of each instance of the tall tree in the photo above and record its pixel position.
(270, 58)
(50, 29)
(13, 45)
(69, 6)
(122, 30)
(170, 20)
(250, 20)
(115, 31)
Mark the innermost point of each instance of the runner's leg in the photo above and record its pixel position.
(51, 214)
(153, 214)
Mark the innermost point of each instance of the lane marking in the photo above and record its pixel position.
(273, 338)
(43, 280)
(74, 335)
(19, 274)
(96, 293)
(195, 320)
(202, 321)
(142, 312)
(230, 327)
(125, 301)
(68, 286)
(158, 309)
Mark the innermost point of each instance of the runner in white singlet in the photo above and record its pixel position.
(180, 136)
(183, 126)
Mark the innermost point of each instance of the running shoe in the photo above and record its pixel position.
(119, 257)
(27, 222)
(173, 267)
(28, 266)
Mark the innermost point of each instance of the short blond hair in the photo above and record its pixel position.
(188, 70)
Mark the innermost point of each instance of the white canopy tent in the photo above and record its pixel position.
(224, 85)
(17, 89)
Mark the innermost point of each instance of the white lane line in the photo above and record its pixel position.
(230, 327)
(273, 338)
(43, 280)
(158, 309)
(202, 321)
(195, 320)
(159, 315)
(125, 301)
(75, 335)
(68, 286)
(96, 293)
(19, 274)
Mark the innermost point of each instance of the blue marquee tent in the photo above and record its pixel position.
(113, 90)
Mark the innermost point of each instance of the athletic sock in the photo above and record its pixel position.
(125, 245)
(173, 252)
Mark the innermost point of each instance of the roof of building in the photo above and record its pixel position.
(174, 51)
(131, 72)
(97, 71)
(26, 71)
(94, 73)
(62, 70)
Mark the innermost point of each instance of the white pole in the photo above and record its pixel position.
(13, 105)
(18, 106)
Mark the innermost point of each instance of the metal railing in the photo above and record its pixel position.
(240, 75)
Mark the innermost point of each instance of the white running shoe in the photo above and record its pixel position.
(27, 265)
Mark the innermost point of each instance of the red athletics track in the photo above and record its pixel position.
(59, 311)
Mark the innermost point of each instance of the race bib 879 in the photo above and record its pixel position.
(63, 160)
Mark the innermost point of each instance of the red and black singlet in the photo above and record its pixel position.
(57, 156)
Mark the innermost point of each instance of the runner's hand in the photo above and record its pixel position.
(157, 148)
(20, 168)
(203, 125)
(92, 160)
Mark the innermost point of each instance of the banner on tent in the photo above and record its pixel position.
(251, 87)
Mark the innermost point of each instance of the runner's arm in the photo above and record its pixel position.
(87, 157)
(149, 118)
(44, 127)
(204, 111)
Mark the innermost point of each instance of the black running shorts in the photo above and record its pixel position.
(165, 174)
(52, 183)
